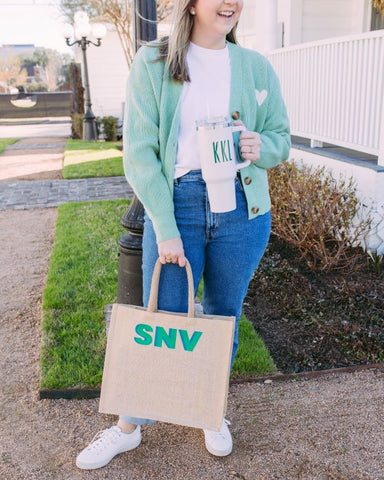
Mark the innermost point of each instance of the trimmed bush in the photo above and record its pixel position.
(37, 87)
(110, 128)
(318, 215)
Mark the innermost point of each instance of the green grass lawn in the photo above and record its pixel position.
(92, 159)
(82, 279)
(253, 357)
(4, 142)
(109, 167)
(92, 145)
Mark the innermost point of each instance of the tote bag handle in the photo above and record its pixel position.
(153, 296)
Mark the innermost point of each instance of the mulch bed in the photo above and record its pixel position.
(315, 321)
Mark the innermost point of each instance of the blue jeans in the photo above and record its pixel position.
(223, 248)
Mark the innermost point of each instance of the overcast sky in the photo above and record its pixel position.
(32, 21)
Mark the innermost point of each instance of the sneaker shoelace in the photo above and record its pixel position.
(220, 433)
(104, 438)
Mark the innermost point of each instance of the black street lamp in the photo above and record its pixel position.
(81, 30)
(145, 15)
(129, 288)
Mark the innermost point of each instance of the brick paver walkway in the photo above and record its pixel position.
(23, 195)
(36, 155)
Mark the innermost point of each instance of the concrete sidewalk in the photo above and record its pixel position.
(33, 159)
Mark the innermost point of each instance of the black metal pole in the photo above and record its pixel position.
(135, 24)
(89, 126)
(129, 288)
(146, 14)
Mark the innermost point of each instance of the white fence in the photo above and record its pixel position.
(334, 91)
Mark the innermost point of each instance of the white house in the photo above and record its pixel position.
(329, 56)
(331, 67)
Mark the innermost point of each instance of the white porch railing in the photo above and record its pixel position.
(334, 91)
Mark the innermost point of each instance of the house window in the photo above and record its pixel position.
(377, 22)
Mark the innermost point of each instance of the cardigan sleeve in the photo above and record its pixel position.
(142, 165)
(275, 134)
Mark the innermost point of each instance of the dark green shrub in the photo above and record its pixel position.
(37, 87)
(318, 215)
(110, 128)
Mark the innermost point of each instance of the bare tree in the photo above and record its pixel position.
(117, 12)
(164, 8)
(11, 72)
(379, 5)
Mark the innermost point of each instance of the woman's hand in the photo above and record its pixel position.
(250, 144)
(172, 251)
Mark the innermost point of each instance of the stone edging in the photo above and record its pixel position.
(88, 393)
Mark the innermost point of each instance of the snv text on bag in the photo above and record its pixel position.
(169, 338)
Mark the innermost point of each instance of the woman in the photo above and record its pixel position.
(172, 85)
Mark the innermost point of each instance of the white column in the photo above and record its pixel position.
(258, 26)
(363, 16)
(291, 13)
(380, 160)
(271, 28)
(381, 147)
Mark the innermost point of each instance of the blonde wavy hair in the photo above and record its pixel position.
(173, 49)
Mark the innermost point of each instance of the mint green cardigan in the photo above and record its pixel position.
(151, 124)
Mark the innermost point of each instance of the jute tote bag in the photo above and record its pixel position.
(166, 366)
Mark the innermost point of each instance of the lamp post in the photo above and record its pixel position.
(129, 286)
(81, 30)
(145, 21)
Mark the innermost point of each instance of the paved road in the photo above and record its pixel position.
(34, 130)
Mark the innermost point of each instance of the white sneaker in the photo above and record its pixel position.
(107, 444)
(219, 443)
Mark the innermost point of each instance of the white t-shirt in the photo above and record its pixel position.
(206, 95)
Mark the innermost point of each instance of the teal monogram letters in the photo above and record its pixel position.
(224, 150)
(169, 338)
(142, 330)
(189, 343)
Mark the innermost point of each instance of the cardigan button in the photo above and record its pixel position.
(247, 180)
(235, 115)
(255, 210)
